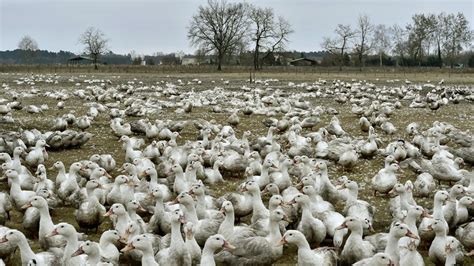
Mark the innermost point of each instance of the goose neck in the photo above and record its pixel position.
(190, 213)
(25, 250)
(176, 238)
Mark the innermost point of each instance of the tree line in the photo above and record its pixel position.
(258, 36)
(428, 40)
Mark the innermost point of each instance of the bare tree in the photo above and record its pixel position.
(27, 44)
(95, 44)
(339, 44)
(400, 42)
(219, 27)
(420, 33)
(381, 41)
(457, 34)
(364, 33)
(439, 33)
(268, 33)
(28, 47)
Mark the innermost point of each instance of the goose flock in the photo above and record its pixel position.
(119, 171)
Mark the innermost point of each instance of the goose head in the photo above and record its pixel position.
(12, 174)
(177, 217)
(278, 215)
(177, 169)
(418, 211)
(227, 207)
(132, 227)
(398, 189)
(437, 226)
(88, 247)
(300, 199)
(350, 185)
(111, 236)
(121, 179)
(252, 187)
(37, 202)
(197, 189)
(140, 242)
(268, 164)
(292, 237)
(135, 205)
(276, 200)
(117, 209)
(216, 242)
(271, 189)
(18, 151)
(124, 139)
(308, 190)
(128, 168)
(41, 169)
(91, 185)
(452, 245)
(58, 165)
(352, 223)
(13, 236)
(99, 172)
(156, 193)
(399, 230)
(467, 201)
(382, 259)
(41, 144)
(76, 167)
(63, 229)
(390, 159)
(305, 181)
(442, 196)
(148, 172)
(185, 199)
(95, 158)
(457, 190)
(393, 167)
(320, 166)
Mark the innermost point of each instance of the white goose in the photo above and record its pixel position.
(306, 256)
(143, 244)
(213, 243)
(26, 253)
(69, 233)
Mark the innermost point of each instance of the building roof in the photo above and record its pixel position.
(302, 59)
(79, 58)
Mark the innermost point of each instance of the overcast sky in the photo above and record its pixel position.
(149, 26)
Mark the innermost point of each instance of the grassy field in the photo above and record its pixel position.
(284, 73)
(105, 142)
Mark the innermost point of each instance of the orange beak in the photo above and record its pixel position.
(128, 247)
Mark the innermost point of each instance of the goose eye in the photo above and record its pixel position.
(291, 234)
(87, 244)
(383, 257)
(218, 238)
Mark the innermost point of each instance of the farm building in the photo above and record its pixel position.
(77, 60)
(189, 61)
(303, 62)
